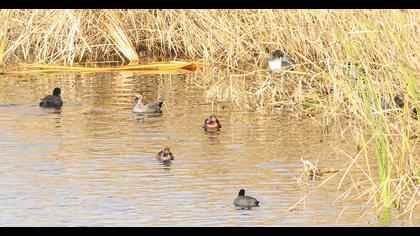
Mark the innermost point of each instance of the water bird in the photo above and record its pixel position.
(212, 123)
(152, 107)
(165, 155)
(312, 171)
(278, 60)
(357, 73)
(384, 103)
(245, 202)
(414, 113)
(400, 103)
(52, 101)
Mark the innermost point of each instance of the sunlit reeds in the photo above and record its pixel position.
(351, 64)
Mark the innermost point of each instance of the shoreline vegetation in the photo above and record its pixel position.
(351, 64)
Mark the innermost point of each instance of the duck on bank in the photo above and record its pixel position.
(278, 60)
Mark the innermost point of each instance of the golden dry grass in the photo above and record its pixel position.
(382, 47)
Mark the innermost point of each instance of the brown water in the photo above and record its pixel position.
(93, 164)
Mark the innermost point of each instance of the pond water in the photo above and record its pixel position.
(94, 163)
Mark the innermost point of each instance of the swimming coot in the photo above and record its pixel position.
(52, 101)
(243, 201)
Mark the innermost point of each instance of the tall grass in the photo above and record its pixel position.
(4, 17)
(381, 47)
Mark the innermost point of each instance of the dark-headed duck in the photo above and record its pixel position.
(243, 201)
(52, 101)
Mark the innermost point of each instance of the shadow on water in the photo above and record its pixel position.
(93, 163)
(8, 105)
(147, 115)
(166, 165)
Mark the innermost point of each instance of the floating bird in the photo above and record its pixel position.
(153, 107)
(52, 101)
(243, 201)
(312, 171)
(278, 60)
(165, 155)
(212, 123)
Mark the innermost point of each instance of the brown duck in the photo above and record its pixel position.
(165, 155)
(212, 123)
(314, 172)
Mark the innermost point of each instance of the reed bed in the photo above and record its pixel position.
(351, 64)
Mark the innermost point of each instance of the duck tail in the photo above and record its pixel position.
(257, 203)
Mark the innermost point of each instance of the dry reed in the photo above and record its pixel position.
(350, 62)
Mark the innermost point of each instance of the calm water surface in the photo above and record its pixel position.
(93, 164)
